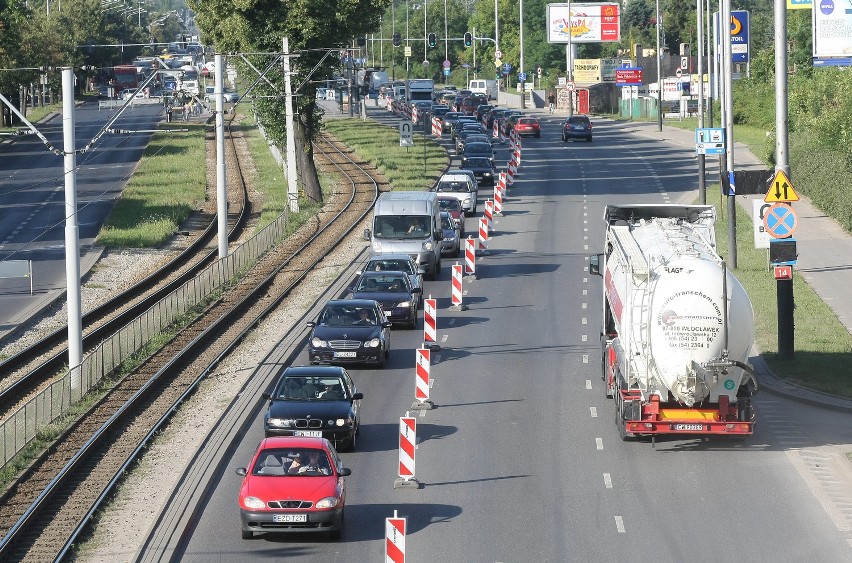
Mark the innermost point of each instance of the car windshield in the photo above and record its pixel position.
(382, 283)
(447, 221)
(483, 148)
(453, 186)
(449, 204)
(478, 162)
(310, 388)
(390, 264)
(402, 226)
(338, 315)
(302, 462)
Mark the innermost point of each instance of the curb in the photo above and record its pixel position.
(775, 385)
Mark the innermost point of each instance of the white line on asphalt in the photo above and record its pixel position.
(584, 338)
(444, 338)
(599, 443)
(431, 383)
(607, 480)
(619, 524)
(584, 306)
(585, 280)
(584, 321)
(593, 411)
(464, 292)
(588, 384)
(585, 292)
(585, 358)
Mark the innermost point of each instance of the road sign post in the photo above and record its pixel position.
(406, 134)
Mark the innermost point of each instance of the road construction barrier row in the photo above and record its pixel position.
(437, 127)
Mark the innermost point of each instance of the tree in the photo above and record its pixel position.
(313, 27)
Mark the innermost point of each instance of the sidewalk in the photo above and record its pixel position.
(824, 261)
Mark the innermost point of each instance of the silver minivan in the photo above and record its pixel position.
(460, 186)
(408, 222)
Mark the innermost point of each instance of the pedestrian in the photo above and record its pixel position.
(168, 113)
(551, 101)
(187, 108)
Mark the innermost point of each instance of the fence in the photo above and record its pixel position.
(21, 427)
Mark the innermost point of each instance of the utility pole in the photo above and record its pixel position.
(292, 185)
(659, 74)
(699, 14)
(221, 186)
(72, 231)
(710, 69)
(727, 76)
(569, 56)
(523, 85)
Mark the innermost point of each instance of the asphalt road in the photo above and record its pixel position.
(521, 460)
(32, 197)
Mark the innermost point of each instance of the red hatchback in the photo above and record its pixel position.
(528, 126)
(293, 484)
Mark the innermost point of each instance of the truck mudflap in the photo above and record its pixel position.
(636, 418)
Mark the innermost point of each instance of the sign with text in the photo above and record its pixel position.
(739, 36)
(832, 29)
(587, 71)
(589, 23)
(608, 67)
(628, 76)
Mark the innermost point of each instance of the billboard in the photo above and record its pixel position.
(589, 23)
(832, 29)
(587, 71)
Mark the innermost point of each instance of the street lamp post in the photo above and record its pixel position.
(659, 75)
(446, 40)
(523, 85)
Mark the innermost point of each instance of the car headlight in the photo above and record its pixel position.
(427, 245)
(403, 304)
(343, 422)
(374, 343)
(328, 502)
(317, 342)
(486, 173)
(254, 502)
(466, 201)
(279, 422)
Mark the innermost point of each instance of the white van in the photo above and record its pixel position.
(408, 223)
(460, 186)
(482, 86)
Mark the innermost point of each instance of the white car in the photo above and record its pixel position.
(128, 93)
(461, 187)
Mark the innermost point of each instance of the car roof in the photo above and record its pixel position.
(477, 144)
(293, 442)
(330, 371)
(381, 273)
(351, 302)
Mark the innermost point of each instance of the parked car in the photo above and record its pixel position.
(577, 127)
(315, 401)
(393, 290)
(293, 485)
(528, 125)
(338, 336)
(399, 262)
(452, 206)
(482, 167)
(451, 243)
(460, 186)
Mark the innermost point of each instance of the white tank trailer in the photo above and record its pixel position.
(677, 325)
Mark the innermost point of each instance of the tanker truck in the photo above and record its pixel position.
(677, 325)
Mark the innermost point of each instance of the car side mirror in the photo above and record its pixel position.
(311, 324)
(416, 290)
(357, 396)
(345, 472)
(595, 264)
(266, 396)
(241, 471)
(439, 235)
(387, 324)
(366, 234)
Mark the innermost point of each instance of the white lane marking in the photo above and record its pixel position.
(584, 321)
(431, 383)
(464, 292)
(585, 358)
(585, 292)
(593, 411)
(607, 480)
(599, 443)
(584, 338)
(584, 305)
(444, 338)
(588, 384)
(619, 524)
(585, 280)
(452, 322)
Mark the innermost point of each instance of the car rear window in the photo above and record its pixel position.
(527, 120)
(578, 120)
(449, 204)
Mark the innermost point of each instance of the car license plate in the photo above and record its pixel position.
(289, 518)
(689, 427)
(308, 433)
(344, 354)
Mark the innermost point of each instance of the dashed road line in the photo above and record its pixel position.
(599, 443)
(619, 524)
(607, 480)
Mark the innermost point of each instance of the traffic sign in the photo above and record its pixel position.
(684, 62)
(446, 64)
(408, 50)
(780, 189)
(446, 72)
(406, 134)
(679, 72)
(569, 85)
(538, 71)
(783, 272)
(507, 68)
(498, 54)
(522, 76)
(780, 220)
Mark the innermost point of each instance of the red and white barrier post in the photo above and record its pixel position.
(469, 256)
(407, 443)
(501, 182)
(437, 127)
(422, 384)
(495, 134)
(430, 323)
(483, 235)
(395, 539)
(510, 176)
(414, 115)
(389, 104)
(458, 289)
(498, 200)
(489, 214)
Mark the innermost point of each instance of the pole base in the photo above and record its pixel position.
(401, 483)
(426, 405)
(434, 347)
(461, 307)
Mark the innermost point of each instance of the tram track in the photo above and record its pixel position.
(42, 514)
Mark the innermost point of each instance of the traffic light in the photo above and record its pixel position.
(468, 39)
(433, 40)
(362, 41)
(397, 39)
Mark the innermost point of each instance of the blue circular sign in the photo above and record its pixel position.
(780, 220)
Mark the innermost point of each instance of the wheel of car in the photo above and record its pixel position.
(337, 534)
(564, 139)
(457, 252)
(247, 534)
(589, 139)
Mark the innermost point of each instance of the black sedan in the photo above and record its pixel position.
(350, 331)
(483, 169)
(314, 401)
(449, 119)
(483, 150)
(393, 290)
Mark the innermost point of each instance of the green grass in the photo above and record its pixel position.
(34, 115)
(403, 166)
(269, 179)
(822, 344)
(168, 185)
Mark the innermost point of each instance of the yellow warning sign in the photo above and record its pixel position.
(780, 189)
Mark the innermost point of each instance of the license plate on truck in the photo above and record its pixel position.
(689, 427)
(282, 518)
